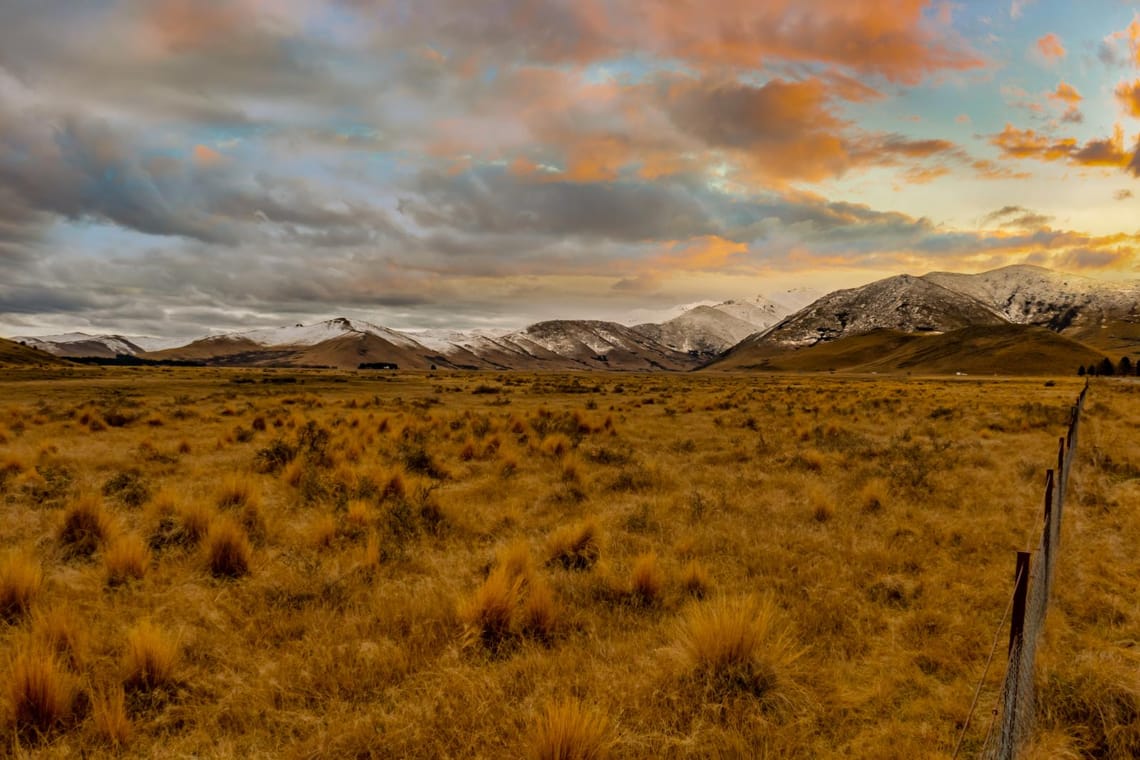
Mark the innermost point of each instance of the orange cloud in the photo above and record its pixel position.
(1128, 93)
(1027, 143)
(707, 252)
(206, 156)
(185, 25)
(1066, 93)
(1050, 47)
(891, 38)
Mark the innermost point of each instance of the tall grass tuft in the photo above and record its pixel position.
(127, 560)
(41, 694)
(61, 631)
(150, 659)
(695, 579)
(576, 547)
(109, 714)
(647, 579)
(735, 644)
(20, 581)
(86, 526)
(570, 731)
(489, 614)
(228, 551)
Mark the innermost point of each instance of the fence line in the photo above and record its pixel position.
(1033, 580)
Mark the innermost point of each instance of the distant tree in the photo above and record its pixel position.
(1081, 371)
(1105, 368)
(1091, 371)
(1125, 366)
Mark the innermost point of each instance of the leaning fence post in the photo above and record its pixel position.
(1047, 535)
(1017, 616)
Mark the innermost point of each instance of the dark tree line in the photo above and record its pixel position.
(1105, 368)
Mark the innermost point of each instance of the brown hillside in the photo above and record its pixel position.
(15, 354)
(1000, 349)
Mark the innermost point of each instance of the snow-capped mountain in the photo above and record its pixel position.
(311, 335)
(1035, 295)
(82, 344)
(903, 302)
(1105, 316)
(702, 330)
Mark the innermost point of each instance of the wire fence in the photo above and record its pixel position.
(1012, 719)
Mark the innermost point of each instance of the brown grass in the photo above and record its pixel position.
(575, 547)
(109, 715)
(41, 693)
(647, 579)
(570, 731)
(735, 644)
(228, 552)
(127, 560)
(150, 659)
(439, 618)
(20, 581)
(86, 526)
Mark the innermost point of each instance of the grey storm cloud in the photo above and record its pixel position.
(492, 200)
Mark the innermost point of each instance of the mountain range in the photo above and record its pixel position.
(1017, 319)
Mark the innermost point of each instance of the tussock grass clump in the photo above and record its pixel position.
(734, 644)
(570, 731)
(695, 579)
(150, 658)
(60, 630)
(41, 694)
(489, 613)
(127, 559)
(575, 547)
(541, 615)
(237, 490)
(86, 526)
(112, 724)
(647, 579)
(872, 496)
(228, 552)
(513, 602)
(20, 581)
(194, 520)
(556, 445)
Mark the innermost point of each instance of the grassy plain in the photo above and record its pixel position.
(290, 564)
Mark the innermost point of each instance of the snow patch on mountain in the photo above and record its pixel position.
(314, 334)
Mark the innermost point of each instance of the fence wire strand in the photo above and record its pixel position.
(1015, 706)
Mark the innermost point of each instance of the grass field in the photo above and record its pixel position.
(269, 564)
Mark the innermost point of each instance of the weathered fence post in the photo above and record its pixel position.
(1017, 616)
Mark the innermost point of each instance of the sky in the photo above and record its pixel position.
(183, 167)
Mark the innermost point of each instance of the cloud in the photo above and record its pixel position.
(1107, 152)
(1050, 48)
(1017, 7)
(895, 39)
(1128, 95)
(1016, 217)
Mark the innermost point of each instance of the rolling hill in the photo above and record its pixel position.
(1004, 349)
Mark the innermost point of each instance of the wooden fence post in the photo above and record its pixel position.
(1017, 616)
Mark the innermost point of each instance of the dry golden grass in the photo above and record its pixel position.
(20, 581)
(127, 559)
(86, 526)
(111, 722)
(575, 546)
(228, 552)
(150, 658)
(41, 693)
(570, 731)
(735, 644)
(732, 566)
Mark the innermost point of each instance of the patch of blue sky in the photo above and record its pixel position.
(95, 239)
(631, 69)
